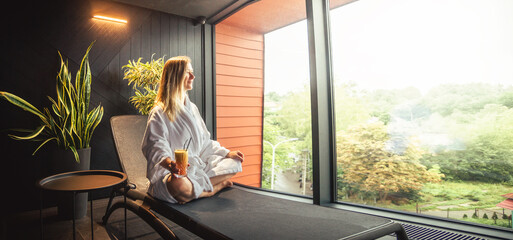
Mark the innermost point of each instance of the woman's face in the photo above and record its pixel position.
(189, 77)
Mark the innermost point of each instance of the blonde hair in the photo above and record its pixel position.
(171, 93)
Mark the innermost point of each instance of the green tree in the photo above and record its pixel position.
(294, 116)
(279, 124)
(383, 102)
(469, 98)
(273, 133)
(495, 217)
(486, 149)
(368, 165)
(506, 98)
(352, 108)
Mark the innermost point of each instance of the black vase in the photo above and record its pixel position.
(62, 161)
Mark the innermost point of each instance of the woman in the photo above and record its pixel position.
(174, 120)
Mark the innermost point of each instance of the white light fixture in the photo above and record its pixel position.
(100, 17)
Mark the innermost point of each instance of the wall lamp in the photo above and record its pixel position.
(100, 17)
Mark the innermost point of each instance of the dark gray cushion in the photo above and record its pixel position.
(240, 214)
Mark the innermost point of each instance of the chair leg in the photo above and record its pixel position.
(145, 214)
(112, 195)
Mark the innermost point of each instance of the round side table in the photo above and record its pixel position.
(81, 181)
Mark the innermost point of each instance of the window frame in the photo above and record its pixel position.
(322, 102)
(323, 129)
(322, 81)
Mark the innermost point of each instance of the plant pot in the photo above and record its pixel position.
(64, 161)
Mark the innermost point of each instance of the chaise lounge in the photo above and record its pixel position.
(234, 213)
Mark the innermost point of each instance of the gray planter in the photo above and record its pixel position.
(64, 161)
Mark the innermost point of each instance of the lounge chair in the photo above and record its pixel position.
(233, 213)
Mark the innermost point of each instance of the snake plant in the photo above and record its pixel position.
(68, 121)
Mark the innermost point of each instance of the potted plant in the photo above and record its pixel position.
(144, 78)
(67, 122)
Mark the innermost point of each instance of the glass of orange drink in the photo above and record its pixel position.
(182, 161)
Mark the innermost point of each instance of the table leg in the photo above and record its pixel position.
(124, 199)
(41, 211)
(92, 230)
(73, 205)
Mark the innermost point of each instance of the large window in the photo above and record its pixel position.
(424, 106)
(287, 135)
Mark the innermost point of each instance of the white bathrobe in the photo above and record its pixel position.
(206, 156)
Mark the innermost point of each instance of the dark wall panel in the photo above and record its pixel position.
(35, 31)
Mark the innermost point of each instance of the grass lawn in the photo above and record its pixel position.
(475, 194)
(500, 222)
(458, 196)
(455, 196)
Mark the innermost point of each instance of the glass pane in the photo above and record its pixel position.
(424, 98)
(287, 123)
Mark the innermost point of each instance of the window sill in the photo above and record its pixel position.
(452, 225)
(469, 228)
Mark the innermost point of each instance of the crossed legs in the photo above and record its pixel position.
(182, 189)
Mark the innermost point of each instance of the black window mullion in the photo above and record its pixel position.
(323, 125)
(208, 37)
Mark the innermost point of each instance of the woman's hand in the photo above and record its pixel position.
(170, 165)
(237, 155)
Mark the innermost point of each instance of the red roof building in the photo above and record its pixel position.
(508, 203)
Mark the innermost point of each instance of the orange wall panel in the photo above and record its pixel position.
(235, 31)
(252, 168)
(238, 111)
(239, 122)
(251, 160)
(235, 51)
(239, 131)
(226, 80)
(240, 141)
(230, 70)
(251, 150)
(239, 97)
(239, 61)
(248, 179)
(239, 91)
(236, 101)
(238, 41)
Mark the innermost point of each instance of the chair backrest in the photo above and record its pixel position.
(128, 132)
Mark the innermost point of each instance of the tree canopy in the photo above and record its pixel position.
(395, 141)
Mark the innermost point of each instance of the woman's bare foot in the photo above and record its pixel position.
(227, 183)
(182, 190)
(217, 187)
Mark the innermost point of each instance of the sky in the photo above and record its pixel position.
(400, 43)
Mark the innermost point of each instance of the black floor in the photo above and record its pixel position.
(26, 225)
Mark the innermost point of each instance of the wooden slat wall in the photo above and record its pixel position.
(161, 34)
(30, 64)
(239, 97)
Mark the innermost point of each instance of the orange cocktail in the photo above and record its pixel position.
(182, 161)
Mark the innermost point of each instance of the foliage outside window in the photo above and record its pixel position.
(287, 107)
(423, 106)
(424, 111)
